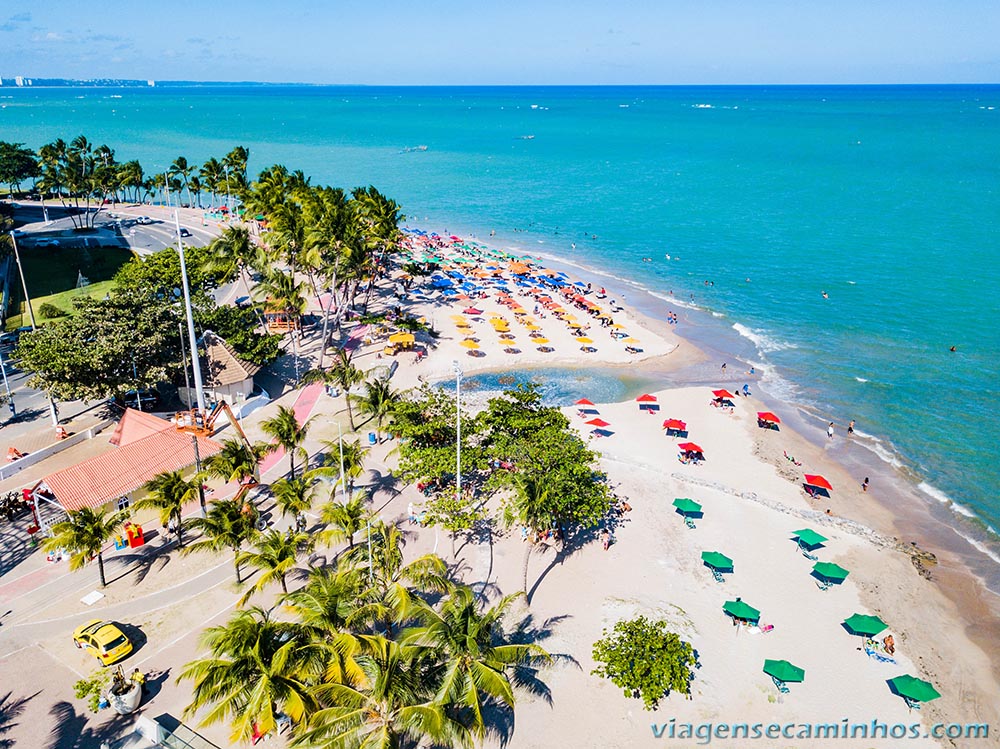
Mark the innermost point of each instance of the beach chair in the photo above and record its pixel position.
(780, 685)
(689, 522)
(807, 555)
(824, 584)
(718, 576)
(912, 704)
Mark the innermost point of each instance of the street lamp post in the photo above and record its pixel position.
(458, 430)
(53, 411)
(192, 339)
(343, 476)
(10, 396)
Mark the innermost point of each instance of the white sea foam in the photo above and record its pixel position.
(702, 106)
(761, 339)
(979, 546)
(861, 379)
(886, 453)
(935, 493)
(717, 314)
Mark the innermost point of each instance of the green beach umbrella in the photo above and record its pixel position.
(717, 560)
(687, 506)
(864, 625)
(784, 671)
(830, 571)
(741, 610)
(809, 537)
(913, 688)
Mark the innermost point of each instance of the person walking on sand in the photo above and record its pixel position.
(606, 538)
(850, 427)
(864, 484)
(829, 431)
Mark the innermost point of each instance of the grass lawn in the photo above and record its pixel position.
(52, 274)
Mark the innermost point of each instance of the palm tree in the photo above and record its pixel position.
(169, 492)
(388, 708)
(468, 653)
(212, 175)
(274, 554)
(227, 525)
(353, 461)
(232, 255)
(393, 581)
(184, 170)
(378, 402)
(294, 495)
(256, 667)
(529, 507)
(282, 294)
(343, 374)
(287, 433)
(236, 461)
(344, 520)
(84, 536)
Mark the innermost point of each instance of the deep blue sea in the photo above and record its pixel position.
(885, 198)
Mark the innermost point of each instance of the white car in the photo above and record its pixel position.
(144, 220)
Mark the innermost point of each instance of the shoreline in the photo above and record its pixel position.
(897, 508)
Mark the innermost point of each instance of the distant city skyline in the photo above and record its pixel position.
(449, 42)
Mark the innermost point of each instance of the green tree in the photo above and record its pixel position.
(645, 659)
(169, 493)
(274, 554)
(255, 667)
(453, 513)
(282, 294)
(233, 255)
(17, 164)
(389, 708)
(227, 526)
(468, 653)
(377, 402)
(343, 374)
(343, 520)
(353, 461)
(236, 461)
(530, 505)
(287, 434)
(84, 536)
(294, 496)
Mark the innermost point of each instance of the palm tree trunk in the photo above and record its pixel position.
(284, 585)
(291, 462)
(347, 402)
(100, 568)
(236, 564)
(180, 532)
(527, 556)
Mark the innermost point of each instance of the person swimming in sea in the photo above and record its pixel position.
(825, 295)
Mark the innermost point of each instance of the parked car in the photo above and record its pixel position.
(185, 232)
(46, 242)
(144, 220)
(103, 640)
(149, 398)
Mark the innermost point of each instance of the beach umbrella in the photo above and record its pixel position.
(584, 339)
(741, 610)
(814, 479)
(768, 416)
(401, 338)
(686, 506)
(690, 447)
(830, 571)
(470, 344)
(717, 560)
(864, 625)
(541, 341)
(912, 688)
(589, 411)
(602, 432)
(472, 311)
(722, 394)
(784, 671)
(646, 398)
(808, 537)
(616, 326)
(583, 402)
(631, 340)
(675, 424)
(599, 423)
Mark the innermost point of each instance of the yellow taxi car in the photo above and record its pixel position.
(103, 640)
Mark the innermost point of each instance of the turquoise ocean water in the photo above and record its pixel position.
(886, 198)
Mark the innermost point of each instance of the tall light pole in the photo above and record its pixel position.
(192, 339)
(31, 316)
(458, 430)
(343, 484)
(10, 396)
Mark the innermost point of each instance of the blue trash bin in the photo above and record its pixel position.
(371, 438)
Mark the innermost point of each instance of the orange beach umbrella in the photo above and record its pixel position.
(814, 479)
(768, 416)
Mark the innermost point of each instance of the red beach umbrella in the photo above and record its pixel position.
(583, 402)
(599, 423)
(677, 424)
(768, 416)
(722, 394)
(813, 479)
(691, 447)
(472, 311)
(646, 398)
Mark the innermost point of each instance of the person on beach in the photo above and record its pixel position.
(746, 390)
(606, 538)
(864, 484)
(723, 367)
(829, 431)
(850, 427)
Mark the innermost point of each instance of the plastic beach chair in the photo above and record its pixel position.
(718, 576)
(912, 704)
(780, 685)
(823, 584)
(807, 555)
(689, 523)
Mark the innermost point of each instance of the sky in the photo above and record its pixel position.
(506, 42)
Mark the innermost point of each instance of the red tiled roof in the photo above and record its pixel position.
(107, 477)
(135, 425)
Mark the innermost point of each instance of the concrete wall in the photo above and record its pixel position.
(9, 469)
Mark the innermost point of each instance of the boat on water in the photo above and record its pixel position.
(411, 149)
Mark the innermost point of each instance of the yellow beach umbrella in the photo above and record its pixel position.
(541, 341)
(631, 340)
(532, 327)
(470, 344)
(616, 326)
(401, 338)
(569, 317)
(584, 339)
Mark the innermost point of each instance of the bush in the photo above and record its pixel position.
(645, 659)
(50, 311)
